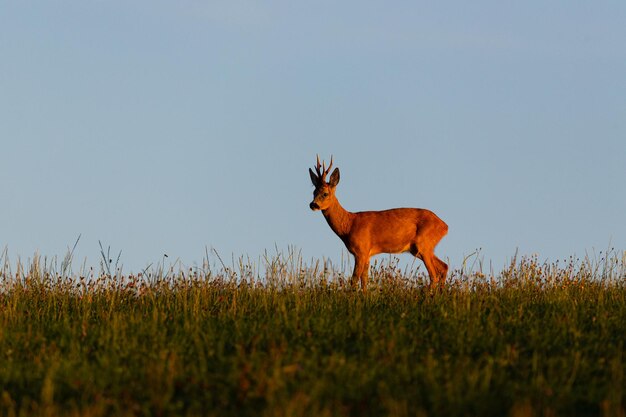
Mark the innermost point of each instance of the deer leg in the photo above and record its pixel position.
(424, 248)
(361, 269)
(364, 275)
(416, 252)
(442, 269)
(355, 275)
(430, 262)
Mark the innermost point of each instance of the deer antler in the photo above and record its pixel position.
(321, 174)
(317, 168)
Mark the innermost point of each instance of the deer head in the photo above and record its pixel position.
(324, 193)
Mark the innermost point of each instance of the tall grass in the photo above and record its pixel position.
(287, 338)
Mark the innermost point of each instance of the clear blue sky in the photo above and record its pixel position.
(170, 126)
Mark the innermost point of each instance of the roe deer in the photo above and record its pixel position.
(368, 233)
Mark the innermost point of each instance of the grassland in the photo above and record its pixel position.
(288, 339)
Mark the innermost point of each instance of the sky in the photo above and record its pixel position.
(186, 127)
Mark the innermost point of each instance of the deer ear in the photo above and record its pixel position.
(314, 178)
(334, 178)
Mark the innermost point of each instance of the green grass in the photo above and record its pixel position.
(535, 339)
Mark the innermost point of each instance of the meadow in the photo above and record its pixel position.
(284, 337)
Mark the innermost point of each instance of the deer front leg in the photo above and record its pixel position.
(361, 270)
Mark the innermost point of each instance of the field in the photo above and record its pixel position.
(287, 338)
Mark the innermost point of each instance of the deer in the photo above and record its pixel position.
(368, 233)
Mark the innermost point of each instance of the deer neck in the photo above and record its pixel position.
(338, 218)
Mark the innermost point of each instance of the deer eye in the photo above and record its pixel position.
(325, 194)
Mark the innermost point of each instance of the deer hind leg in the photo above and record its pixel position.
(437, 269)
(433, 268)
(442, 269)
(424, 248)
(442, 266)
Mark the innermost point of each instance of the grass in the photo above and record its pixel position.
(536, 339)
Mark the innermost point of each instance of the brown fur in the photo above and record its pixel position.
(368, 233)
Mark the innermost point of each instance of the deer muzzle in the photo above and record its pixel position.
(314, 206)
